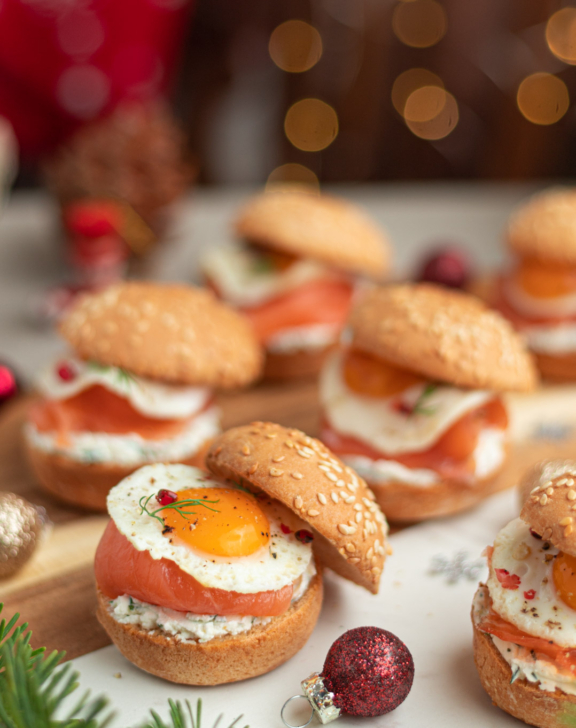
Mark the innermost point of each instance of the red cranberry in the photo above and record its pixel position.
(304, 536)
(447, 266)
(166, 497)
(66, 372)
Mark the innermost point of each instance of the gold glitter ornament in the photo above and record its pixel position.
(20, 528)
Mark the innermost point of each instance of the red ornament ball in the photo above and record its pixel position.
(9, 386)
(369, 670)
(66, 372)
(448, 266)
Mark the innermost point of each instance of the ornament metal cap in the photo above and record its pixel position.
(320, 699)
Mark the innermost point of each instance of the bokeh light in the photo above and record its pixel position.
(311, 125)
(543, 98)
(431, 113)
(408, 81)
(292, 174)
(419, 23)
(561, 34)
(295, 46)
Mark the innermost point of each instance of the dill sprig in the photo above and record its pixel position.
(34, 686)
(125, 378)
(420, 407)
(181, 507)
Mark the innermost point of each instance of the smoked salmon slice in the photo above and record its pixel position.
(122, 569)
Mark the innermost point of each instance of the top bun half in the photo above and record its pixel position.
(349, 529)
(444, 335)
(173, 333)
(321, 227)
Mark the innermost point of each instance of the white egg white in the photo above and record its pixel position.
(377, 422)
(532, 560)
(237, 272)
(280, 563)
(151, 398)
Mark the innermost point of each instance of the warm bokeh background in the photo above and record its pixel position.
(345, 89)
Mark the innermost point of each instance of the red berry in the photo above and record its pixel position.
(304, 536)
(448, 267)
(166, 497)
(530, 594)
(285, 529)
(66, 372)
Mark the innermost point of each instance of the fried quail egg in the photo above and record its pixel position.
(523, 585)
(221, 534)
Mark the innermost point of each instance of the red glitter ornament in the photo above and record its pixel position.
(9, 387)
(368, 672)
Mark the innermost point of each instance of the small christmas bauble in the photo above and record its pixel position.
(9, 385)
(448, 266)
(20, 528)
(369, 671)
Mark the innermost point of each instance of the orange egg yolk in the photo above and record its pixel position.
(564, 574)
(364, 374)
(226, 521)
(544, 279)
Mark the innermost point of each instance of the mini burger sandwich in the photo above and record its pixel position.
(293, 273)
(414, 401)
(524, 617)
(137, 388)
(539, 293)
(213, 578)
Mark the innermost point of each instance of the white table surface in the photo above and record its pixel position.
(416, 215)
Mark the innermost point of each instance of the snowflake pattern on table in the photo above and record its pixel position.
(460, 566)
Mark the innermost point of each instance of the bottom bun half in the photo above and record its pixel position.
(404, 503)
(521, 699)
(559, 368)
(86, 485)
(223, 659)
(297, 365)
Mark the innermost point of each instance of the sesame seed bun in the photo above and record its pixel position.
(544, 227)
(297, 365)
(329, 229)
(541, 473)
(174, 333)
(444, 335)
(521, 699)
(404, 503)
(83, 484)
(222, 659)
(299, 471)
(550, 510)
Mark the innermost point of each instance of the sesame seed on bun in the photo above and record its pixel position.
(299, 471)
(542, 472)
(329, 229)
(550, 510)
(544, 227)
(174, 333)
(443, 334)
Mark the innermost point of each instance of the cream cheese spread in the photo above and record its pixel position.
(189, 627)
(130, 449)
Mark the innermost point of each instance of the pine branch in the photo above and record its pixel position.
(33, 687)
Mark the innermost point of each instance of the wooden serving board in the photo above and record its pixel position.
(55, 592)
